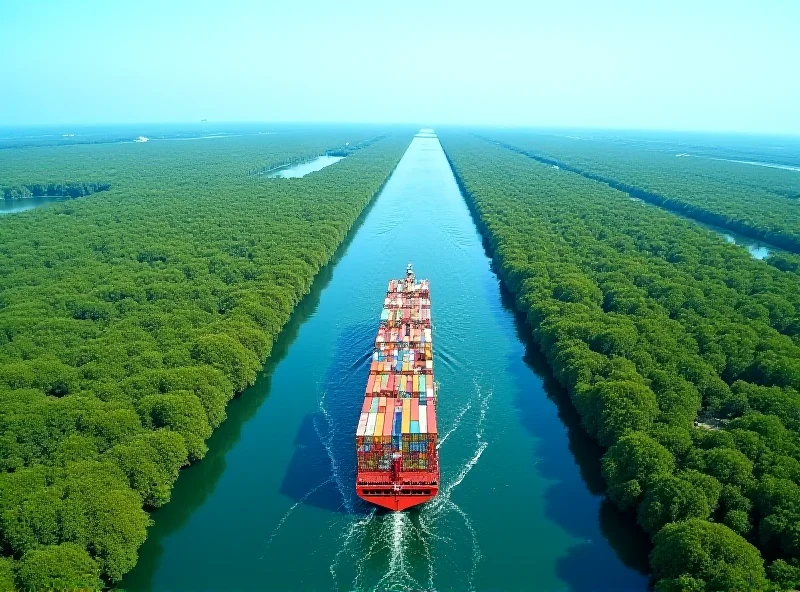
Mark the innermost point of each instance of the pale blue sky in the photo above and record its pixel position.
(689, 65)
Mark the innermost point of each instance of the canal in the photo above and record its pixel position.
(273, 505)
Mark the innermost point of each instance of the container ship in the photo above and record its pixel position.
(397, 464)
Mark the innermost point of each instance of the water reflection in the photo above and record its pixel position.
(13, 206)
(304, 168)
(613, 550)
(757, 249)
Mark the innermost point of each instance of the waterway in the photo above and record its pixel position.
(771, 165)
(304, 168)
(13, 206)
(273, 505)
(757, 249)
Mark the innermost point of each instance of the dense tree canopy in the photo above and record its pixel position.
(711, 555)
(130, 318)
(758, 201)
(68, 189)
(680, 352)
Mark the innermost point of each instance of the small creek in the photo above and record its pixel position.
(13, 206)
(304, 168)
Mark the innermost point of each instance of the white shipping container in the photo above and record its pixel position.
(362, 424)
(423, 419)
(373, 417)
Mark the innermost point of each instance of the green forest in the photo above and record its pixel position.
(679, 351)
(130, 317)
(69, 189)
(757, 201)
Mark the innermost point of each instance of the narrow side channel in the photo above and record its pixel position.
(707, 219)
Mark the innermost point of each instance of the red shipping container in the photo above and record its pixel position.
(367, 405)
(432, 419)
(371, 382)
(414, 409)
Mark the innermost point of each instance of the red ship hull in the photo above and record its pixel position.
(412, 489)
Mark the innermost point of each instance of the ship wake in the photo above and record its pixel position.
(291, 509)
(326, 432)
(396, 551)
(380, 551)
(443, 505)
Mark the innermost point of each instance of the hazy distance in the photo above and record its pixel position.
(683, 65)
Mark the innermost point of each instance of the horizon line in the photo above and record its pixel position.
(406, 123)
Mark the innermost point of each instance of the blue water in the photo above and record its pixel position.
(303, 169)
(13, 206)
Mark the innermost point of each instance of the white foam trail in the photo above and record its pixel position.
(291, 509)
(443, 503)
(327, 442)
(484, 401)
(429, 533)
(437, 504)
(390, 540)
(444, 493)
(354, 529)
(397, 576)
(476, 550)
(456, 423)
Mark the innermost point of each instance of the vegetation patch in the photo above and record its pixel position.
(652, 324)
(69, 189)
(127, 324)
(759, 202)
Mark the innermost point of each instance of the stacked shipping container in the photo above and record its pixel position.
(396, 437)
